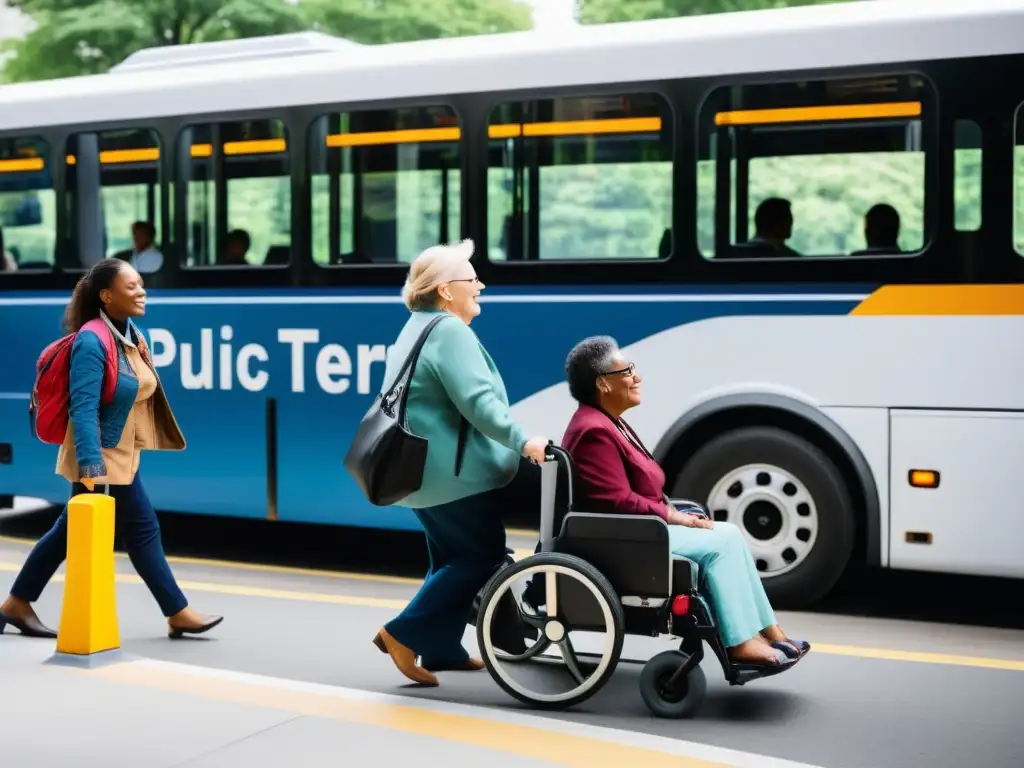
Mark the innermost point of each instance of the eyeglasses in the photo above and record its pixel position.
(466, 280)
(628, 371)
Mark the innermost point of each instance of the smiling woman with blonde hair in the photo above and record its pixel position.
(458, 402)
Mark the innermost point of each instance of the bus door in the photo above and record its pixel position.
(384, 185)
(235, 198)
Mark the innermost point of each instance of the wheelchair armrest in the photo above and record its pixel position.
(603, 524)
(691, 506)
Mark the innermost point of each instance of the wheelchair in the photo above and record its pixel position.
(594, 570)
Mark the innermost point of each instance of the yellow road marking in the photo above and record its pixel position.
(523, 532)
(281, 569)
(923, 657)
(541, 744)
(863, 652)
(247, 591)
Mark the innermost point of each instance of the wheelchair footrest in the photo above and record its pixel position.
(741, 674)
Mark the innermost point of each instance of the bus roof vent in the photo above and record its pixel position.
(232, 51)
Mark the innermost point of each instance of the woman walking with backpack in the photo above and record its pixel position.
(102, 445)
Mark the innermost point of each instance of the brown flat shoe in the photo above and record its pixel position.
(404, 658)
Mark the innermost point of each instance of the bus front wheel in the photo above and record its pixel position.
(789, 500)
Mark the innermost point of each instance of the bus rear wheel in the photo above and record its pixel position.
(789, 500)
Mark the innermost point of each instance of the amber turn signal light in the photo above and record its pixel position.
(924, 478)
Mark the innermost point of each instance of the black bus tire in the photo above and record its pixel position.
(820, 567)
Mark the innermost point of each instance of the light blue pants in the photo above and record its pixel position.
(727, 569)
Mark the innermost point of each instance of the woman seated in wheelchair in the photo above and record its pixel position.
(617, 474)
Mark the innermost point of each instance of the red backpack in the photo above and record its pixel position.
(49, 405)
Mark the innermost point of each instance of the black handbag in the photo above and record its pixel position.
(385, 458)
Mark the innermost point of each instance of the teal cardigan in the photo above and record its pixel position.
(456, 377)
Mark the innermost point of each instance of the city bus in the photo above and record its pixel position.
(845, 401)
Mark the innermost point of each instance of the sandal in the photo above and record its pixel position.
(794, 649)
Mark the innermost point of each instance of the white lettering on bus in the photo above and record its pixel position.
(298, 337)
(332, 364)
(204, 379)
(367, 356)
(244, 372)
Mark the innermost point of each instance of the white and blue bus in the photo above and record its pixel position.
(842, 399)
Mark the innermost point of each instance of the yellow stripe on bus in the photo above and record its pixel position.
(944, 300)
(620, 125)
(21, 165)
(367, 139)
(819, 114)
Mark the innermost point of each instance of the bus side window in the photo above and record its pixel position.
(580, 178)
(28, 206)
(235, 194)
(385, 184)
(815, 169)
(1018, 182)
(967, 175)
(113, 198)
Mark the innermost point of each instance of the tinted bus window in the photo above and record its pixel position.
(830, 168)
(385, 184)
(967, 175)
(113, 190)
(1018, 183)
(28, 205)
(580, 178)
(238, 195)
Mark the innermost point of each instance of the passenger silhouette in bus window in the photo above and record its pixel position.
(236, 246)
(881, 230)
(773, 226)
(145, 257)
(7, 261)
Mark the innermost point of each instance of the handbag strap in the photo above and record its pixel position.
(401, 385)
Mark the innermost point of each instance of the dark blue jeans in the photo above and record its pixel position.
(139, 531)
(466, 544)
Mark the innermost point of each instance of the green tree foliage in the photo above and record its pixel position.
(77, 37)
(604, 11)
(398, 21)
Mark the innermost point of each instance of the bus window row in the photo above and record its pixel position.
(829, 169)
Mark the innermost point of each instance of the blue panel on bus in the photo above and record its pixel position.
(319, 354)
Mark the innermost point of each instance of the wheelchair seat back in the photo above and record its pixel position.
(631, 551)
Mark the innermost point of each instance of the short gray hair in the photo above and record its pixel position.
(585, 362)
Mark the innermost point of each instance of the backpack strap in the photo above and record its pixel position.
(112, 369)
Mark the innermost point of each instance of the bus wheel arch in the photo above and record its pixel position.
(810, 439)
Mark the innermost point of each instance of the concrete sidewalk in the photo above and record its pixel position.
(141, 713)
(57, 717)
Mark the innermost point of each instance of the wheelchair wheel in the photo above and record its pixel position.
(680, 703)
(573, 590)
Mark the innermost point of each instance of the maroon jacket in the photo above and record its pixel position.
(612, 474)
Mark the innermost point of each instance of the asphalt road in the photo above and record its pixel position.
(898, 678)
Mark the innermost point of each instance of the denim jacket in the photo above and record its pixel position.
(97, 426)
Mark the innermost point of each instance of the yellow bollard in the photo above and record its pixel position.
(88, 620)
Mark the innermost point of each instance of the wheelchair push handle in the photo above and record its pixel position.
(549, 455)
